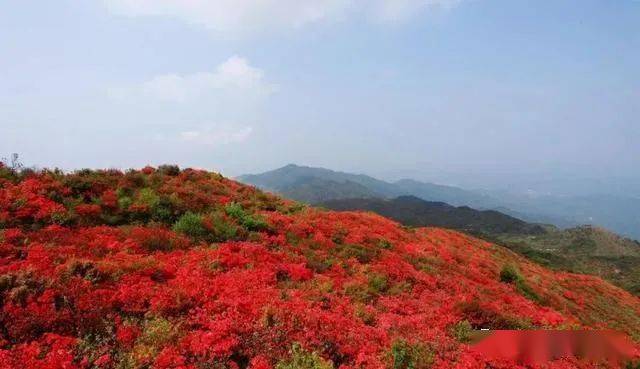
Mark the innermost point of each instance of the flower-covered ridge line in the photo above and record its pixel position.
(165, 268)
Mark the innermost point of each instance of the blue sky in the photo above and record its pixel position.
(480, 93)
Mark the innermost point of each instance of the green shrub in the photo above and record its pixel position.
(8, 173)
(462, 331)
(378, 283)
(511, 274)
(148, 197)
(190, 224)
(215, 227)
(385, 244)
(358, 292)
(169, 170)
(158, 332)
(135, 179)
(148, 200)
(339, 236)
(124, 202)
(255, 224)
(235, 210)
(295, 208)
(405, 355)
(367, 317)
(249, 222)
(301, 359)
(164, 211)
(318, 263)
(222, 229)
(362, 253)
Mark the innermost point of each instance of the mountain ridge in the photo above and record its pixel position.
(284, 177)
(413, 211)
(615, 212)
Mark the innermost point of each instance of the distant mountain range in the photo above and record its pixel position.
(413, 211)
(292, 180)
(300, 183)
(315, 185)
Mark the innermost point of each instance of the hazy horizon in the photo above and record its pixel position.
(541, 96)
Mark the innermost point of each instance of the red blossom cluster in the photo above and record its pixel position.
(170, 269)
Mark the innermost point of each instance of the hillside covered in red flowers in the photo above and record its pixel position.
(185, 269)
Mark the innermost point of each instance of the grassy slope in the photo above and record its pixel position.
(586, 249)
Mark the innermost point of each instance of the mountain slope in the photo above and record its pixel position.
(314, 190)
(287, 177)
(412, 211)
(584, 249)
(450, 195)
(168, 269)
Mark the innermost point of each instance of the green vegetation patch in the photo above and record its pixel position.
(249, 222)
(361, 253)
(510, 274)
(405, 355)
(302, 359)
(462, 331)
(191, 225)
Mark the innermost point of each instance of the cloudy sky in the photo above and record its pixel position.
(471, 92)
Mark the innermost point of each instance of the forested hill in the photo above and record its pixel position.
(412, 211)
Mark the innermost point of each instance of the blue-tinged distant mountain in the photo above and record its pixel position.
(449, 194)
(619, 213)
(303, 184)
(615, 212)
(315, 190)
(413, 211)
(289, 179)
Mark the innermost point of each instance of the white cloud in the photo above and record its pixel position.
(241, 17)
(233, 77)
(173, 106)
(393, 11)
(220, 135)
(235, 16)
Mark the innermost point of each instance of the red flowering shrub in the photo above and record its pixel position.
(172, 269)
(88, 210)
